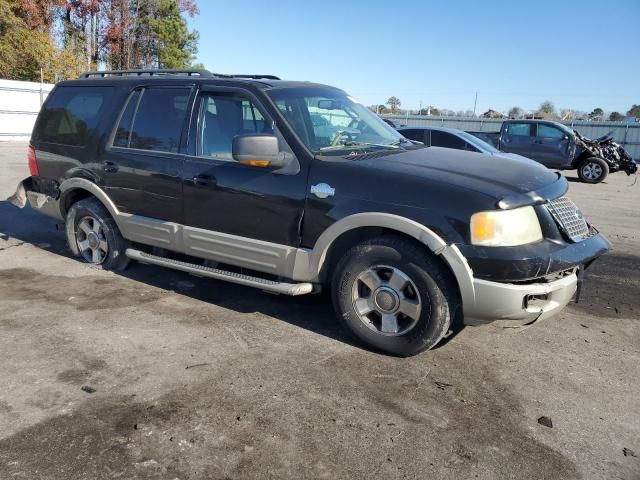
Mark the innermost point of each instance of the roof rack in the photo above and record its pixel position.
(253, 76)
(163, 72)
(160, 72)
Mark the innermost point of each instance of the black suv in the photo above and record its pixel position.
(293, 186)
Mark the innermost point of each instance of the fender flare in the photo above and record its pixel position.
(309, 263)
(84, 184)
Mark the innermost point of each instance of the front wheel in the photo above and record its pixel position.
(93, 235)
(593, 170)
(394, 296)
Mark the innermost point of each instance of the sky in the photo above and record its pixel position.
(577, 54)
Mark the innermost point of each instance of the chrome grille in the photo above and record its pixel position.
(569, 218)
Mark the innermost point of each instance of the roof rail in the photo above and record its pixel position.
(160, 72)
(251, 76)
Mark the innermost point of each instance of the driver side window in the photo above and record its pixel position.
(221, 117)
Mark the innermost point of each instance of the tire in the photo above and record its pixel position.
(90, 229)
(362, 280)
(593, 170)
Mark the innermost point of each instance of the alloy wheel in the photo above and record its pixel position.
(386, 300)
(91, 240)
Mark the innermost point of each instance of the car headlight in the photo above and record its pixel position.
(505, 228)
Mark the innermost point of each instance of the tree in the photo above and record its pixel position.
(616, 117)
(634, 111)
(394, 102)
(548, 108)
(515, 112)
(596, 114)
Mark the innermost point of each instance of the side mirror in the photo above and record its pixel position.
(259, 150)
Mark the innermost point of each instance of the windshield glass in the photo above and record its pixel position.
(564, 128)
(329, 121)
(481, 144)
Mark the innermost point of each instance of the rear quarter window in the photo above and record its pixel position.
(70, 116)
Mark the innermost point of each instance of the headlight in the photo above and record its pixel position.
(505, 228)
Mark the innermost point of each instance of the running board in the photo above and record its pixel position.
(270, 286)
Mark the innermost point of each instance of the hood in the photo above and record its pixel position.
(511, 180)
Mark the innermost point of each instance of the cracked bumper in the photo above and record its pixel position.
(44, 204)
(521, 303)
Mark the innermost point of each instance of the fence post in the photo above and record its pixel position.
(41, 82)
(626, 130)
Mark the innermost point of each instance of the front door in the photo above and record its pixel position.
(142, 165)
(234, 208)
(551, 146)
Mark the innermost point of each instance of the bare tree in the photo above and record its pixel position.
(394, 102)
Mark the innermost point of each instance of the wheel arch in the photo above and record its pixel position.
(358, 227)
(75, 189)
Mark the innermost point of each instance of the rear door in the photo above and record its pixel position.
(143, 163)
(518, 137)
(551, 146)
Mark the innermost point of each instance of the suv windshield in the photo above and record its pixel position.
(329, 121)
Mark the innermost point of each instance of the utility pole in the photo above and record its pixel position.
(475, 103)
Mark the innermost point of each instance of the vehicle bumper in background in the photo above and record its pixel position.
(524, 303)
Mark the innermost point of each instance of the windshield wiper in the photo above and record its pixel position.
(394, 145)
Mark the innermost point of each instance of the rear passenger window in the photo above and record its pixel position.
(124, 127)
(447, 140)
(519, 129)
(413, 134)
(71, 115)
(153, 121)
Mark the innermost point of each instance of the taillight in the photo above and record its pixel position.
(33, 162)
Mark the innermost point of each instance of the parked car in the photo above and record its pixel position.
(452, 138)
(557, 146)
(225, 177)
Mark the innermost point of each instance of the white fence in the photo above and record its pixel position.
(19, 106)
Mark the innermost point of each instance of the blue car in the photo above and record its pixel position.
(452, 138)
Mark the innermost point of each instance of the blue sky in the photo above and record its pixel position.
(578, 54)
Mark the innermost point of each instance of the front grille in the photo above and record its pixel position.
(569, 218)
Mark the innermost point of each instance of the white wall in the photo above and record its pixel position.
(19, 106)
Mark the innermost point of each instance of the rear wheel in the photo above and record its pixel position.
(93, 235)
(593, 170)
(394, 296)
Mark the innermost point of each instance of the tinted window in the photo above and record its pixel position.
(547, 131)
(413, 134)
(222, 117)
(124, 127)
(519, 129)
(71, 115)
(158, 120)
(447, 140)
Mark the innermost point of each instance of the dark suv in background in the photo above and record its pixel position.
(290, 187)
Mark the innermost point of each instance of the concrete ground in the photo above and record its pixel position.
(199, 379)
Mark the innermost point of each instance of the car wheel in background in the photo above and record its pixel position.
(593, 170)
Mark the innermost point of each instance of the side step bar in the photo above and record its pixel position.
(270, 286)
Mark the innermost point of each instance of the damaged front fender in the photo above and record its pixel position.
(611, 152)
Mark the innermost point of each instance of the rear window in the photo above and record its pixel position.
(154, 120)
(447, 140)
(71, 114)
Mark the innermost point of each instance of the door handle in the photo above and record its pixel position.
(109, 167)
(203, 180)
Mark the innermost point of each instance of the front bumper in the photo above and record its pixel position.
(523, 303)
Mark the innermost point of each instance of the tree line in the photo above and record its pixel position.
(66, 37)
(547, 110)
